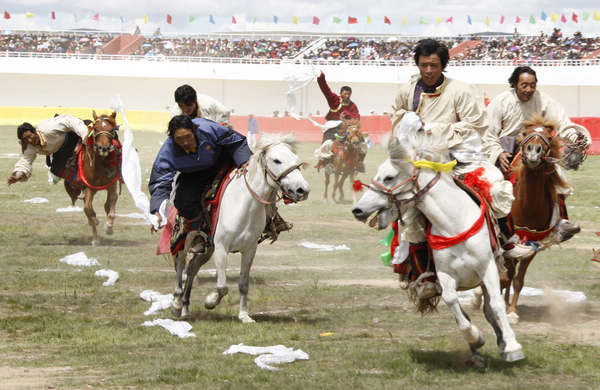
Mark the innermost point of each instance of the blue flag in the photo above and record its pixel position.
(275, 19)
(468, 19)
(122, 19)
(544, 16)
(211, 19)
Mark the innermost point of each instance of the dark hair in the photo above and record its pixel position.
(186, 95)
(345, 88)
(179, 122)
(26, 126)
(427, 47)
(519, 70)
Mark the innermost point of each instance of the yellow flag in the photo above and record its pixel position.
(295, 19)
(145, 19)
(438, 20)
(404, 21)
(29, 15)
(554, 17)
(596, 16)
(369, 20)
(487, 21)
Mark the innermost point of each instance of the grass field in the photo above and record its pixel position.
(60, 328)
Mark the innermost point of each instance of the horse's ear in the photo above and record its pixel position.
(94, 115)
(113, 115)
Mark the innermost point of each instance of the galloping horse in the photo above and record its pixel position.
(346, 149)
(273, 167)
(467, 262)
(99, 168)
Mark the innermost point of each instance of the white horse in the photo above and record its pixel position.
(273, 167)
(398, 185)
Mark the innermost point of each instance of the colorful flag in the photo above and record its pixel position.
(486, 99)
(574, 17)
(369, 20)
(469, 19)
(438, 20)
(233, 20)
(487, 21)
(518, 20)
(146, 19)
(563, 18)
(387, 20)
(352, 20)
(502, 19)
(96, 17)
(532, 19)
(586, 15)
(169, 19)
(544, 16)
(316, 20)
(422, 20)
(52, 15)
(449, 20)
(29, 15)
(596, 16)
(404, 21)
(295, 19)
(337, 20)
(6, 15)
(191, 18)
(122, 19)
(554, 17)
(275, 19)
(211, 20)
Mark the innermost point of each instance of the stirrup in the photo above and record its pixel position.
(196, 242)
(567, 229)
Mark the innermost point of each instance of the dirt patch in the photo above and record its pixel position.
(17, 378)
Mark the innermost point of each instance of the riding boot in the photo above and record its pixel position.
(565, 228)
(421, 277)
(510, 242)
(275, 225)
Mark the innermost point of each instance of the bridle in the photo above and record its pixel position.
(546, 156)
(95, 133)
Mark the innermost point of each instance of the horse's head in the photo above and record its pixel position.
(102, 132)
(537, 143)
(282, 165)
(354, 136)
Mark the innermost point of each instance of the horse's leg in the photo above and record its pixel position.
(110, 207)
(247, 259)
(510, 349)
(220, 256)
(472, 335)
(192, 269)
(336, 181)
(177, 304)
(88, 209)
(326, 184)
(341, 185)
(506, 284)
(477, 297)
(518, 282)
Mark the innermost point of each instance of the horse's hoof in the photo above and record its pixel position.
(513, 318)
(212, 300)
(479, 343)
(108, 230)
(185, 312)
(246, 319)
(176, 312)
(513, 356)
(476, 361)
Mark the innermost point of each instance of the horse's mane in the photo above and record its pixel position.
(267, 140)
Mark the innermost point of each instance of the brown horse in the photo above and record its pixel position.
(533, 212)
(99, 168)
(347, 148)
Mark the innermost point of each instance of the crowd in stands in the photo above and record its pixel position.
(390, 49)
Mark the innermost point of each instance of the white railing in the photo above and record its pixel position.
(319, 62)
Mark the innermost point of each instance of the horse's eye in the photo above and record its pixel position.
(276, 161)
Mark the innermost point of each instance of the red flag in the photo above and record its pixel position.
(563, 18)
(233, 20)
(387, 20)
(96, 17)
(486, 99)
(501, 19)
(316, 20)
(6, 15)
(449, 20)
(169, 19)
(352, 20)
(53, 15)
(518, 20)
(574, 17)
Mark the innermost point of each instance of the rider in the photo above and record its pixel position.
(506, 114)
(56, 136)
(194, 148)
(340, 108)
(450, 109)
(204, 106)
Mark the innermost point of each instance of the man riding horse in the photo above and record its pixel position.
(58, 137)
(506, 114)
(449, 110)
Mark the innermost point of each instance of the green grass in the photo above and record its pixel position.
(69, 331)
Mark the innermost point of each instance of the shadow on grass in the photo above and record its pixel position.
(208, 280)
(213, 316)
(456, 361)
(87, 241)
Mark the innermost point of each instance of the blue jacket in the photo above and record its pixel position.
(214, 141)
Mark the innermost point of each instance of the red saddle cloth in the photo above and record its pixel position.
(212, 201)
(114, 160)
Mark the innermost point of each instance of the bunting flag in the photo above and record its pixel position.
(449, 20)
(316, 20)
(169, 19)
(404, 21)
(96, 17)
(145, 19)
(192, 18)
(543, 16)
(295, 19)
(422, 20)
(337, 20)
(29, 15)
(369, 20)
(554, 17)
(563, 18)
(469, 19)
(275, 19)
(502, 19)
(6, 15)
(352, 20)
(518, 20)
(52, 15)
(532, 19)
(596, 16)
(122, 19)
(487, 21)
(574, 17)
(438, 20)
(211, 20)
(387, 20)
(586, 15)
(233, 20)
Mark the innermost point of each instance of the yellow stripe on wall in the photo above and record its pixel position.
(138, 119)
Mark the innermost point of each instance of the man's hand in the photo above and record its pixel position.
(504, 161)
(15, 177)
(159, 223)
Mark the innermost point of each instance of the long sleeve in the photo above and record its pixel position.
(161, 179)
(234, 143)
(491, 138)
(25, 163)
(69, 122)
(333, 100)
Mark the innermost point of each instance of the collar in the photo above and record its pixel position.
(434, 88)
(42, 138)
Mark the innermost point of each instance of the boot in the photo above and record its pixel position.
(566, 229)
(275, 225)
(513, 249)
